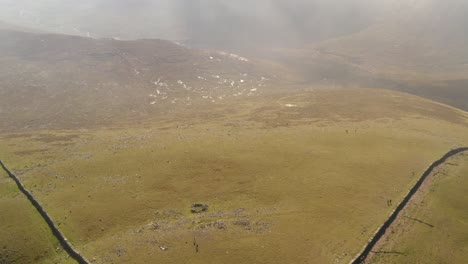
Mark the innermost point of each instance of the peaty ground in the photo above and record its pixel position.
(290, 178)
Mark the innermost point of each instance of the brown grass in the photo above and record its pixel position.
(310, 191)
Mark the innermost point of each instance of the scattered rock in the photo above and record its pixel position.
(155, 226)
(257, 227)
(243, 223)
(198, 208)
(120, 252)
(218, 225)
(163, 248)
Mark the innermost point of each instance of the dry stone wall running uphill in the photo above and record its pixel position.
(53, 227)
(361, 258)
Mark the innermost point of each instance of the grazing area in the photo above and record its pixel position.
(432, 229)
(24, 236)
(233, 132)
(279, 170)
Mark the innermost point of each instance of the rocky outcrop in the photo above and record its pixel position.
(198, 208)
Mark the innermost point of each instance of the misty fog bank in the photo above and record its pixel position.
(238, 25)
(216, 22)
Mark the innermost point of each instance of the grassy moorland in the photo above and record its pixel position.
(433, 228)
(289, 178)
(24, 236)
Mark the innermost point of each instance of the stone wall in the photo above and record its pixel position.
(53, 227)
(381, 231)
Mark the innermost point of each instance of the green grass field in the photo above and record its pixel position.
(441, 237)
(292, 178)
(24, 236)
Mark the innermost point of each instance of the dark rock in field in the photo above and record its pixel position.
(198, 208)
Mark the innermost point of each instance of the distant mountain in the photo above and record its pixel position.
(429, 40)
(420, 47)
(57, 80)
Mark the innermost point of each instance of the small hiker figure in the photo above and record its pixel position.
(195, 244)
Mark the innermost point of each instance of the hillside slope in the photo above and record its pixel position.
(426, 41)
(289, 178)
(420, 48)
(50, 80)
(432, 228)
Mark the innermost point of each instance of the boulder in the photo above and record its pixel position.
(198, 208)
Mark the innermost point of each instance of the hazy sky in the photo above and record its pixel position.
(214, 22)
